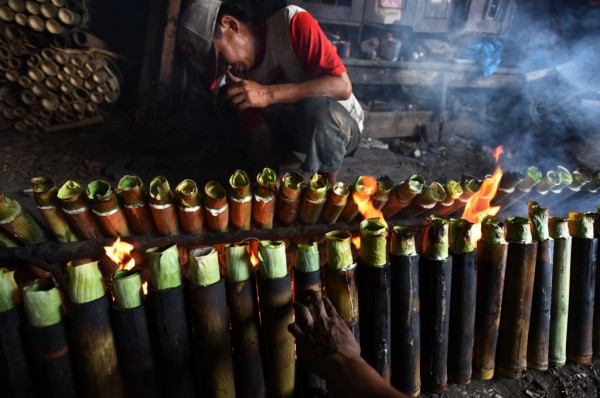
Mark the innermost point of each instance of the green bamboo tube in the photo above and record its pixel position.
(6, 240)
(134, 198)
(107, 210)
(93, 343)
(382, 195)
(532, 177)
(405, 312)
(75, 207)
(565, 179)
(240, 201)
(508, 184)
(340, 278)
(9, 292)
(548, 181)
(162, 207)
(582, 287)
(43, 303)
(210, 324)
(559, 309)
(127, 289)
(19, 223)
(313, 200)
(275, 293)
(539, 327)
(402, 195)
(288, 198)
(263, 199)
(581, 176)
(511, 359)
(453, 191)
(216, 209)
(470, 186)
(435, 286)
(189, 205)
(374, 292)
(335, 203)
(425, 201)
(492, 250)
(165, 270)
(363, 188)
(243, 313)
(44, 194)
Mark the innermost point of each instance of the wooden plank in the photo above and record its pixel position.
(165, 74)
(394, 124)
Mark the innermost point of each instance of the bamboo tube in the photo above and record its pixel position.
(210, 322)
(81, 95)
(453, 191)
(264, 198)
(50, 103)
(313, 200)
(6, 14)
(45, 195)
(12, 76)
(405, 312)
(24, 81)
(382, 195)
(491, 267)
(243, 314)
(106, 208)
(216, 208)
(19, 222)
(47, 337)
(559, 308)
(402, 194)
(435, 285)
(69, 17)
(74, 206)
(96, 97)
(517, 296)
(36, 23)
(340, 278)
(426, 200)
(307, 285)
(335, 203)
(33, 61)
(133, 196)
(533, 176)
(6, 240)
(189, 204)
(17, 5)
(374, 291)
(539, 328)
(362, 189)
(288, 198)
(565, 179)
(162, 207)
(240, 201)
(32, 7)
(582, 288)
(55, 27)
(48, 10)
(168, 321)
(275, 292)
(39, 89)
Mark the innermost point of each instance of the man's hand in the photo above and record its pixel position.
(244, 94)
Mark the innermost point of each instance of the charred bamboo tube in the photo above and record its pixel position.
(216, 209)
(340, 278)
(402, 194)
(133, 196)
(374, 292)
(132, 335)
(435, 285)
(189, 204)
(264, 199)
(46, 200)
(274, 290)
(491, 267)
(453, 191)
(15, 372)
(243, 313)
(75, 207)
(47, 336)
(106, 208)
(462, 303)
(382, 194)
(19, 223)
(240, 201)
(507, 185)
(539, 327)
(210, 322)
(307, 281)
(168, 321)
(582, 288)
(363, 188)
(516, 301)
(288, 198)
(533, 176)
(162, 207)
(92, 339)
(559, 309)
(313, 200)
(405, 312)
(335, 203)
(424, 201)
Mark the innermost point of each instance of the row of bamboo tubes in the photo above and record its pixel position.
(56, 17)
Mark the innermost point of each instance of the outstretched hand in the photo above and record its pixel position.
(243, 94)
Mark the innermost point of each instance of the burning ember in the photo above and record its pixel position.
(478, 205)
(120, 253)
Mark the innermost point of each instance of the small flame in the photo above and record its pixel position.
(145, 288)
(356, 242)
(120, 253)
(365, 206)
(253, 259)
(478, 205)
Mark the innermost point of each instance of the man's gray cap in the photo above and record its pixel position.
(200, 18)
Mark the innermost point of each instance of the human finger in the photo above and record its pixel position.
(231, 78)
(330, 308)
(296, 331)
(319, 308)
(303, 317)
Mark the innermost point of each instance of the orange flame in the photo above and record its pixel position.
(356, 242)
(478, 205)
(363, 201)
(120, 253)
(253, 259)
(145, 288)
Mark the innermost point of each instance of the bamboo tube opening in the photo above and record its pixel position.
(66, 87)
(5, 52)
(67, 98)
(49, 68)
(61, 58)
(69, 17)
(76, 81)
(83, 73)
(78, 105)
(68, 117)
(30, 120)
(14, 63)
(55, 27)
(18, 50)
(113, 83)
(6, 14)
(44, 113)
(89, 85)
(43, 123)
(47, 54)
(34, 60)
(17, 5)
(39, 89)
(85, 39)
(19, 112)
(28, 97)
(79, 60)
(21, 19)
(61, 76)
(48, 10)
(69, 69)
(52, 83)
(111, 98)
(36, 74)
(81, 94)
(10, 101)
(36, 23)
(20, 127)
(65, 107)
(103, 88)
(8, 113)
(12, 75)
(13, 33)
(58, 3)
(92, 108)
(93, 65)
(3, 38)
(24, 81)
(50, 103)
(100, 76)
(96, 97)
(32, 7)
